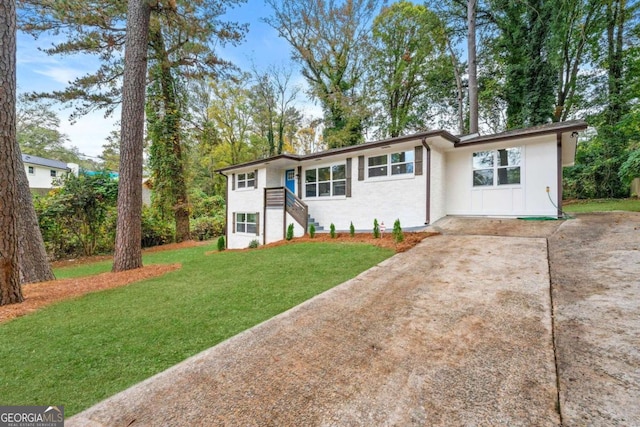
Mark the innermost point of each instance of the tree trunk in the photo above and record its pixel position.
(10, 291)
(459, 88)
(128, 247)
(33, 261)
(473, 67)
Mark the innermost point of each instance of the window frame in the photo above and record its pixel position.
(31, 170)
(390, 165)
(53, 173)
(245, 223)
(325, 186)
(496, 168)
(246, 182)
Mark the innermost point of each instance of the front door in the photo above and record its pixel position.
(290, 180)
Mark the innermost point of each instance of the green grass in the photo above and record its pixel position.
(81, 351)
(601, 205)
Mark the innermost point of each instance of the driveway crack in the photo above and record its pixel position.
(553, 336)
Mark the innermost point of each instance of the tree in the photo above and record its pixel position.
(128, 246)
(329, 41)
(10, 291)
(473, 66)
(111, 152)
(408, 41)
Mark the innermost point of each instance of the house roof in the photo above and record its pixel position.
(562, 127)
(41, 161)
(457, 142)
(353, 148)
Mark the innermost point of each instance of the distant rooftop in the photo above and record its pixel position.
(41, 161)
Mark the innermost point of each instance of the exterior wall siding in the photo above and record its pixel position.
(249, 200)
(529, 198)
(41, 176)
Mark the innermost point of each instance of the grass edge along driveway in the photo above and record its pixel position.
(81, 351)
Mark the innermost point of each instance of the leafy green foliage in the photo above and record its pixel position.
(332, 231)
(376, 229)
(221, 244)
(254, 244)
(312, 231)
(156, 230)
(398, 235)
(352, 230)
(290, 232)
(75, 215)
(207, 227)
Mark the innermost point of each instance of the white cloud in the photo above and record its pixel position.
(59, 74)
(89, 133)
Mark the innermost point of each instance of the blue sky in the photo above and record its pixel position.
(38, 72)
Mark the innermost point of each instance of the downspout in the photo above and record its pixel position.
(226, 212)
(559, 183)
(428, 180)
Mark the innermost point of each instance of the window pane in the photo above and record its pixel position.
(482, 160)
(251, 175)
(324, 174)
(378, 171)
(339, 188)
(509, 176)
(310, 190)
(251, 228)
(310, 175)
(240, 227)
(251, 218)
(242, 184)
(324, 189)
(378, 160)
(251, 183)
(241, 177)
(402, 168)
(338, 172)
(404, 157)
(240, 217)
(509, 157)
(483, 177)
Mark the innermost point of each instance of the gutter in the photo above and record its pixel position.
(428, 180)
(226, 211)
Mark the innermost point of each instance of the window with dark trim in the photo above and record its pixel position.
(246, 180)
(32, 171)
(497, 167)
(53, 173)
(246, 223)
(326, 181)
(393, 164)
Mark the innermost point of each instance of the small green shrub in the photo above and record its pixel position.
(352, 230)
(312, 231)
(221, 244)
(332, 231)
(254, 244)
(207, 227)
(290, 232)
(376, 229)
(155, 230)
(398, 235)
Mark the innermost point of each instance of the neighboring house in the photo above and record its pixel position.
(416, 178)
(42, 172)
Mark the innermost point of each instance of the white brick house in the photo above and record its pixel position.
(42, 172)
(416, 178)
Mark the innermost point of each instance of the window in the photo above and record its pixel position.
(31, 170)
(246, 223)
(391, 164)
(326, 181)
(497, 167)
(53, 173)
(247, 180)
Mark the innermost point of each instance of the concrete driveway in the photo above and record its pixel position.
(457, 331)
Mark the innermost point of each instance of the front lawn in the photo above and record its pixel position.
(81, 351)
(601, 205)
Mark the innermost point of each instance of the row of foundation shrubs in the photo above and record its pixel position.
(398, 235)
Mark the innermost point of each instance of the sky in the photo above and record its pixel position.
(39, 72)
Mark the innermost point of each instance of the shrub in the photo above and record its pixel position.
(290, 232)
(207, 227)
(352, 230)
(398, 235)
(155, 230)
(312, 231)
(221, 244)
(376, 229)
(332, 231)
(254, 244)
